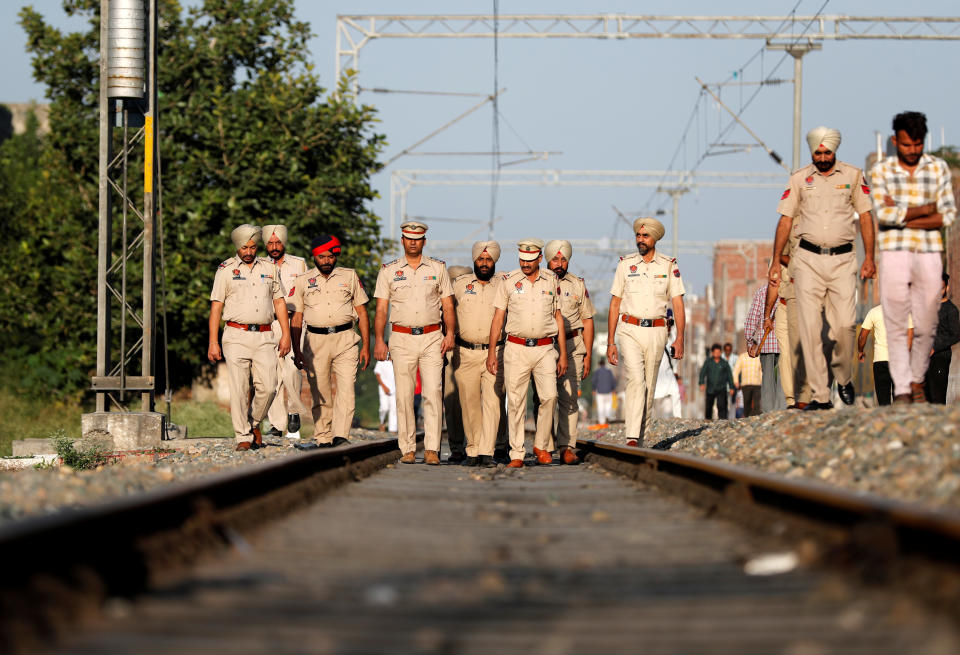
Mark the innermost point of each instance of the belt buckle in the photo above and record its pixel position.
(416, 330)
(247, 326)
(530, 342)
(825, 251)
(330, 330)
(646, 322)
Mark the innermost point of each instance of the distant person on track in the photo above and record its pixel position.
(874, 324)
(913, 199)
(247, 294)
(748, 378)
(604, 386)
(645, 284)
(481, 392)
(948, 333)
(415, 291)
(452, 410)
(823, 197)
(731, 358)
(330, 300)
(577, 311)
(716, 379)
(387, 395)
(766, 348)
(527, 302)
(284, 412)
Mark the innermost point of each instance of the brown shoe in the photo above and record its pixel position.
(903, 399)
(802, 405)
(243, 445)
(409, 458)
(543, 456)
(515, 464)
(257, 437)
(431, 457)
(567, 456)
(633, 443)
(916, 391)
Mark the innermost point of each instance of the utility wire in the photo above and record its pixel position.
(495, 163)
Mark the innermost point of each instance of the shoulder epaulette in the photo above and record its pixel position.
(395, 261)
(296, 257)
(226, 263)
(436, 259)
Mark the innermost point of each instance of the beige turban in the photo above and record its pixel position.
(457, 271)
(279, 230)
(558, 246)
(654, 227)
(244, 233)
(492, 248)
(823, 136)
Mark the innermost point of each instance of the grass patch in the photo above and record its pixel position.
(79, 460)
(25, 416)
(206, 419)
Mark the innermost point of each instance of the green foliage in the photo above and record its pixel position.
(247, 134)
(949, 154)
(79, 460)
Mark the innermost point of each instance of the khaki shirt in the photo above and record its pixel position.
(531, 306)
(475, 310)
(247, 292)
(328, 301)
(646, 288)
(824, 205)
(414, 293)
(290, 267)
(575, 303)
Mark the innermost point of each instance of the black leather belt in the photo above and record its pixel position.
(474, 346)
(329, 330)
(836, 250)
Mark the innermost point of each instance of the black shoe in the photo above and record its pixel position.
(293, 422)
(846, 393)
(457, 458)
(813, 406)
(273, 432)
(486, 462)
(310, 445)
(501, 457)
(468, 461)
(339, 441)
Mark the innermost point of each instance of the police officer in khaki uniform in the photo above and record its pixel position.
(452, 414)
(330, 299)
(644, 284)
(527, 300)
(577, 310)
(415, 290)
(823, 198)
(481, 392)
(284, 412)
(247, 293)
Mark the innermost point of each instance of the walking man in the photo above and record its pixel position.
(452, 413)
(577, 311)
(715, 378)
(748, 378)
(387, 394)
(913, 198)
(604, 385)
(527, 301)
(763, 343)
(480, 391)
(415, 290)
(873, 323)
(948, 333)
(284, 412)
(330, 299)
(824, 198)
(645, 283)
(247, 294)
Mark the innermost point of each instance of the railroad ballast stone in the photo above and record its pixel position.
(903, 452)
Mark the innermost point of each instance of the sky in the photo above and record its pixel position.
(607, 105)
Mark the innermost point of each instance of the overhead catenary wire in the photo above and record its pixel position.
(495, 163)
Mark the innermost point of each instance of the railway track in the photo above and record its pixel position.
(638, 551)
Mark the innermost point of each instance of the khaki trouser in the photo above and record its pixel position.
(289, 386)
(452, 414)
(568, 396)
(408, 351)
(249, 353)
(481, 398)
(641, 349)
(792, 376)
(519, 363)
(828, 283)
(326, 355)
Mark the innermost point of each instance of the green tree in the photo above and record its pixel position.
(246, 135)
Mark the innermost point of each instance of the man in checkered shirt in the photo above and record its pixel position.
(771, 391)
(912, 198)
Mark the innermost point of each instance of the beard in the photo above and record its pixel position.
(248, 259)
(484, 273)
(909, 160)
(642, 248)
(276, 253)
(326, 269)
(824, 166)
(559, 271)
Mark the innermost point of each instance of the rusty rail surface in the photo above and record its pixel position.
(58, 567)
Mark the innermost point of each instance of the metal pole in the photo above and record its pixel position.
(676, 221)
(149, 213)
(797, 96)
(104, 211)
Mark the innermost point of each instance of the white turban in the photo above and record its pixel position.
(457, 271)
(492, 248)
(823, 136)
(558, 245)
(241, 235)
(654, 227)
(279, 230)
